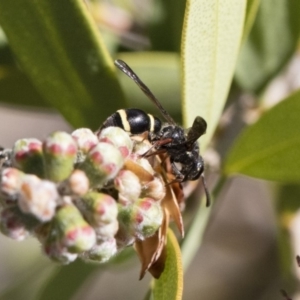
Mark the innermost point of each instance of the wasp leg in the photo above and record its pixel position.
(155, 145)
(156, 152)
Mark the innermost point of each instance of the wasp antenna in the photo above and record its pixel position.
(208, 201)
(121, 65)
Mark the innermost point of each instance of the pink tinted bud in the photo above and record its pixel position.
(60, 152)
(98, 208)
(10, 182)
(155, 189)
(105, 231)
(141, 219)
(117, 137)
(144, 163)
(27, 155)
(85, 140)
(102, 163)
(128, 185)
(38, 197)
(73, 231)
(50, 238)
(77, 184)
(123, 237)
(139, 171)
(58, 253)
(140, 148)
(102, 251)
(12, 225)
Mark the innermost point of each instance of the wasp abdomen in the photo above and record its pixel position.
(133, 120)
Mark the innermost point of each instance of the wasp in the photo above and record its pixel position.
(180, 145)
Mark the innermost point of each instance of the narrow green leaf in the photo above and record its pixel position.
(170, 284)
(26, 284)
(166, 25)
(251, 11)
(288, 196)
(270, 44)
(195, 233)
(16, 89)
(270, 149)
(287, 207)
(66, 281)
(59, 47)
(211, 37)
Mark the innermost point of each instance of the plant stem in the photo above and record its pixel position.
(194, 237)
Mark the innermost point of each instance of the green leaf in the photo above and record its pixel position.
(153, 68)
(170, 284)
(270, 149)
(66, 280)
(16, 89)
(195, 232)
(270, 44)
(166, 25)
(288, 196)
(59, 47)
(27, 283)
(194, 236)
(287, 206)
(211, 38)
(251, 11)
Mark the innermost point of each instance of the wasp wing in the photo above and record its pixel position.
(131, 74)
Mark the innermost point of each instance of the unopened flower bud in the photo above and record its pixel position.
(140, 148)
(58, 253)
(128, 185)
(102, 163)
(42, 231)
(85, 140)
(11, 224)
(76, 184)
(73, 232)
(141, 219)
(10, 182)
(49, 237)
(155, 189)
(27, 155)
(98, 208)
(123, 237)
(117, 137)
(59, 152)
(38, 197)
(143, 170)
(144, 163)
(105, 231)
(102, 251)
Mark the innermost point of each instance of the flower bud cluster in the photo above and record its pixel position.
(81, 194)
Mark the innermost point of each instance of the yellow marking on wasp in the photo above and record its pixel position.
(152, 122)
(124, 120)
